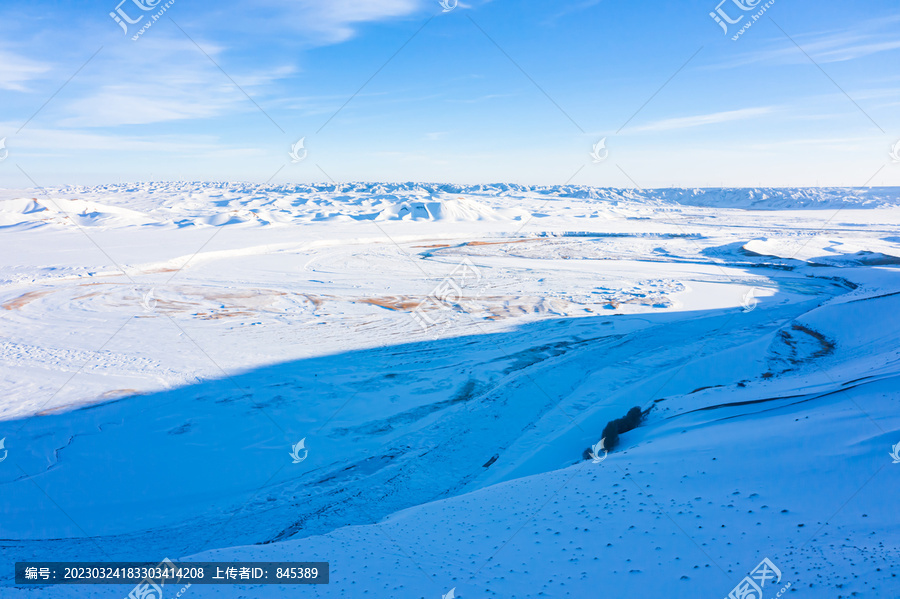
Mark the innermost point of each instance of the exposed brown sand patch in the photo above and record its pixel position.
(224, 314)
(88, 295)
(315, 300)
(487, 307)
(162, 269)
(25, 299)
(110, 395)
(478, 243)
(396, 303)
(117, 393)
(57, 409)
(237, 294)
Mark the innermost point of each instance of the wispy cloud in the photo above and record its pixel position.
(480, 99)
(826, 47)
(321, 22)
(124, 90)
(833, 143)
(17, 70)
(59, 142)
(705, 119)
(573, 8)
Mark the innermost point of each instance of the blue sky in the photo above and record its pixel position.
(502, 90)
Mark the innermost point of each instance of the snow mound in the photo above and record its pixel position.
(787, 198)
(63, 211)
(461, 209)
(826, 251)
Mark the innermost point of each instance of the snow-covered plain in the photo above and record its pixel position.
(162, 347)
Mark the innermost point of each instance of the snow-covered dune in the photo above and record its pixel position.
(780, 198)
(460, 209)
(63, 211)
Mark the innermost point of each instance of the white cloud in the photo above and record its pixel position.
(329, 21)
(73, 142)
(826, 47)
(480, 99)
(338, 15)
(142, 105)
(17, 70)
(180, 84)
(165, 77)
(852, 51)
(705, 119)
(573, 8)
(845, 144)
